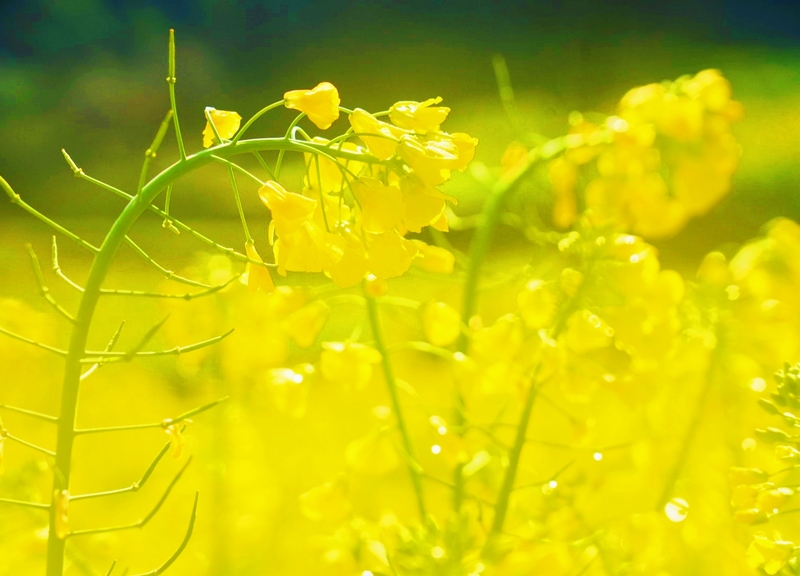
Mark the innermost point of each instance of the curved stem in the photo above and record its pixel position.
(391, 383)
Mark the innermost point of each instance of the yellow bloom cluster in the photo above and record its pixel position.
(670, 158)
(353, 215)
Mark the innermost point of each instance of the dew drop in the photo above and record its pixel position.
(436, 449)
(597, 456)
(677, 509)
(367, 573)
(437, 552)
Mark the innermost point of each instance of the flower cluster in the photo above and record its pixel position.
(668, 156)
(359, 203)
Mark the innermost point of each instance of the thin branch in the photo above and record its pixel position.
(550, 479)
(169, 274)
(57, 267)
(136, 486)
(184, 296)
(110, 570)
(235, 166)
(93, 357)
(39, 415)
(150, 153)
(143, 521)
(33, 342)
(178, 225)
(192, 519)
(28, 444)
(163, 424)
(37, 505)
(44, 291)
(16, 199)
(247, 237)
(171, 80)
(109, 348)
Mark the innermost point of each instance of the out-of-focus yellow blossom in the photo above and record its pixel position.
(570, 280)
(256, 277)
(537, 304)
(329, 502)
(775, 499)
(563, 176)
(500, 341)
(374, 454)
(419, 116)
(434, 258)
(431, 160)
(304, 325)
(587, 331)
(176, 440)
(226, 122)
(513, 156)
(769, 554)
(321, 103)
(390, 255)
(681, 130)
(61, 505)
(381, 205)
(348, 363)
(289, 388)
(441, 323)
(750, 516)
(382, 146)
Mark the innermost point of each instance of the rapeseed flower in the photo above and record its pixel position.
(321, 103)
(419, 117)
(226, 122)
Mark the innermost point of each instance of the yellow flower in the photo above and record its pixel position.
(348, 363)
(563, 177)
(256, 277)
(321, 103)
(441, 323)
(304, 325)
(419, 116)
(384, 144)
(466, 149)
(431, 160)
(390, 255)
(328, 502)
(422, 205)
(61, 503)
(289, 210)
(351, 267)
(739, 476)
(770, 555)
(226, 123)
(381, 205)
(434, 258)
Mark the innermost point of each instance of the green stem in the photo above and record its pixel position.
(391, 382)
(93, 289)
(171, 79)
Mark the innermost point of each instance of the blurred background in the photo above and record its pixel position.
(88, 76)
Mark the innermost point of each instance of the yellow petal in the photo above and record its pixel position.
(329, 502)
(374, 454)
(226, 122)
(418, 116)
(256, 277)
(384, 144)
(381, 205)
(304, 324)
(321, 103)
(434, 258)
(390, 255)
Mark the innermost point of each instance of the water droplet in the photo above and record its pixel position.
(749, 444)
(436, 449)
(367, 573)
(442, 430)
(758, 385)
(437, 552)
(677, 509)
(597, 456)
